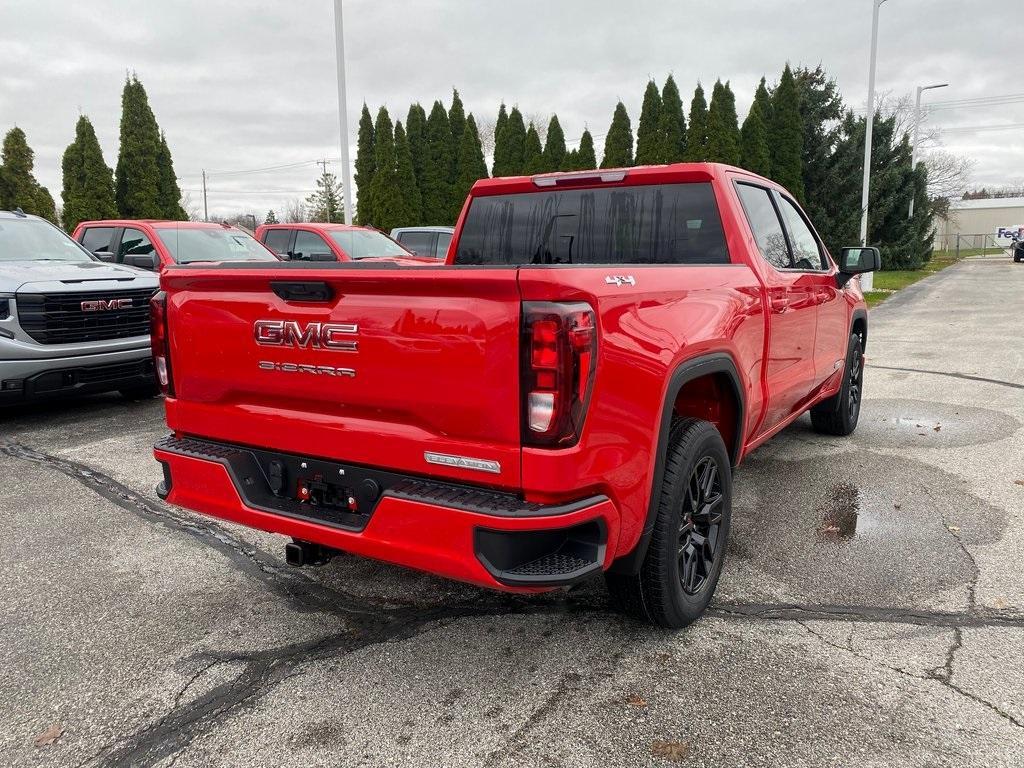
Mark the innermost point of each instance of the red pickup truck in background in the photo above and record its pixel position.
(156, 243)
(566, 396)
(316, 241)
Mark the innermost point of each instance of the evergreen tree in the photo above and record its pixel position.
(785, 136)
(471, 162)
(416, 133)
(499, 142)
(405, 178)
(586, 159)
(648, 131)
(723, 133)
(672, 124)
(533, 154)
(697, 134)
(618, 142)
(168, 191)
(457, 121)
(364, 166)
(271, 217)
(18, 187)
(821, 110)
(386, 198)
(754, 154)
(572, 161)
(326, 203)
(435, 184)
(510, 145)
(88, 190)
(554, 146)
(138, 180)
(45, 206)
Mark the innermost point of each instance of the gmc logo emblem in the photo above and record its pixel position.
(102, 305)
(290, 333)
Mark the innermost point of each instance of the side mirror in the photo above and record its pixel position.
(857, 261)
(106, 256)
(322, 257)
(141, 260)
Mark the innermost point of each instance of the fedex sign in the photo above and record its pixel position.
(1010, 233)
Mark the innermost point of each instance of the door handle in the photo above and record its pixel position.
(779, 304)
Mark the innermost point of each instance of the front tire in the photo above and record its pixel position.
(684, 559)
(839, 414)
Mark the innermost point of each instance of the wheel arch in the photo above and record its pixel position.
(859, 325)
(720, 366)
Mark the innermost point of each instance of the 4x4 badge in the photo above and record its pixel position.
(620, 280)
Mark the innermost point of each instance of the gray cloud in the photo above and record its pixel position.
(247, 85)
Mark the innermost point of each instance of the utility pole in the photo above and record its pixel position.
(206, 212)
(917, 126)
(346, 173)
(866, 281)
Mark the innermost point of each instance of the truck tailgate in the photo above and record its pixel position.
(413, 370)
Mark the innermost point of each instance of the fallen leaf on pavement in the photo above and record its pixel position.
(1018, 482)
(954, 528)
(670, 750)
(1000, 603)
(49, 736)
(895, 505)
(937, 427)
(635, 700)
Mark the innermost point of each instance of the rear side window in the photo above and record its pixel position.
(277, 240)
(97, 238)
(420, 243)
(444, 239)
(652, 224)
(765, 224)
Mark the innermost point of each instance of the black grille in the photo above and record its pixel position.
(58, 318)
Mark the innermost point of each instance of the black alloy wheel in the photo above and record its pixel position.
(700, 526)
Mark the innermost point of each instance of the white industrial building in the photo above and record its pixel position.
(977, 223)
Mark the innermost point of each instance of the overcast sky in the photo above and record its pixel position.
(244, 85)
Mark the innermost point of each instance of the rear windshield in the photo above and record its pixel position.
(364, 243)
(201, 244)
(652, 224)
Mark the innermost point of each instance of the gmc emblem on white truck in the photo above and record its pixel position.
(102, 305)
(290, 333)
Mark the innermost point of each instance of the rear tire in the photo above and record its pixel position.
(839, 414)
(680, 570)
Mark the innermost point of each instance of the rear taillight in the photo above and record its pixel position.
(160, 343)
(558, 363)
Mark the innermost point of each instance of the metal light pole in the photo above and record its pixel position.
(346, 173)
(866, 280)
(917, 126)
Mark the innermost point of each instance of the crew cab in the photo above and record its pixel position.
(315, 241)
(566, 396)
(69, 324)
(154, 244)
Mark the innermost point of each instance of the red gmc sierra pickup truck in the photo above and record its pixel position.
(566, 396)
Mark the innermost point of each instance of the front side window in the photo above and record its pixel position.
(366, 243)
(277, 240)
(308, 243)
(36, 240)
(806, 252)
(764, 223)
(134, 243)
(97, 238)
(444, 239)
(644, 224)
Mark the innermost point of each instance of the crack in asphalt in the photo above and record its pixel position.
(951, 374)
(370, 623)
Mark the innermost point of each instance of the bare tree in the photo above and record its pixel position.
(191, 208)
(540, 122)
(485, 129)
(295, 212)
(948, 174)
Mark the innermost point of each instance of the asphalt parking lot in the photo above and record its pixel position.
(871, 612)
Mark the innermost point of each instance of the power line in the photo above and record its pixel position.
(973, 128)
